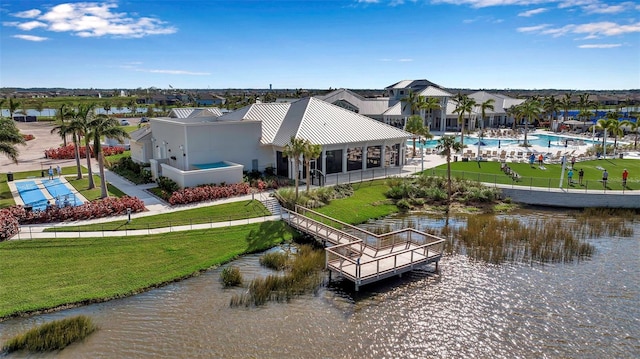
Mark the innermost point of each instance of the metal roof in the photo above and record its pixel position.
(433, 91)
(192, 112)
(365, 106)
(324, 124)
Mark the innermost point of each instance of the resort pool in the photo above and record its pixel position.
(542, 140)
(206, 166)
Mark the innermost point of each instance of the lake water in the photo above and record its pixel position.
(470, 309)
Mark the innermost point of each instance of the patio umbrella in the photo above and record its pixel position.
(480, 143)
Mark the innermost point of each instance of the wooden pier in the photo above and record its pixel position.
(364, 257)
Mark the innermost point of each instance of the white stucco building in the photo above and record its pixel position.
(200, 146)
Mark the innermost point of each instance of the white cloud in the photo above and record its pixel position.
(369, 1)
(489, 3)
(599, 8)
(599, 46)
(530, 13)
(31, 38)
(29, 14)
(536, 28)
(86, 19)
(590, 30)
(405, 60)
(30, 25)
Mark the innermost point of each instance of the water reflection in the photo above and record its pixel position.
(586, 309)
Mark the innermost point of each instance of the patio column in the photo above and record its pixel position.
(364, 156)
(344, 158)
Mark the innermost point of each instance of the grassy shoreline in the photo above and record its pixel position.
(53, 274)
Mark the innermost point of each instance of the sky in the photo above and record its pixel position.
(354, 44)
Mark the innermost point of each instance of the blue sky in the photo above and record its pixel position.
(491, 44)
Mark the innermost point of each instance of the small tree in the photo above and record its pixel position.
(416, 127)
(446, 146)
(293, 150)
(311, 152)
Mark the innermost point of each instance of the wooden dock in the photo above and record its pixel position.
(364, 257)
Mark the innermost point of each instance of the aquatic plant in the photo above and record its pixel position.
(51, 336)
(496, 240)
(231, 276)
(303, 275)
(274, 260)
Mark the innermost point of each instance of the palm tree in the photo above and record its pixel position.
(106, 106)
(634, 128)
(605, 124)
(74, 129)
(583, 105)
(463, 106)
(446, 146)
(427, 104)
(103, 125)
(132, 105)
(13, 106)
(614, 127)
(85, 115)
(61, 124)
(486, 105)
(551, 106)
(530, 109)
(311, 152)
(293, 150)
(410, 102)
(416, 127)
(566, 105)
(10, 136)
(39, 107)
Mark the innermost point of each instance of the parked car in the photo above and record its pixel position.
(144, 120)
(124, 123)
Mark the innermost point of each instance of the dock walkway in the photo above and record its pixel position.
(364, 257)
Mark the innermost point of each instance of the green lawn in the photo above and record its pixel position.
(367, 202)
(550, 177)
(41, 274)
(218, 213)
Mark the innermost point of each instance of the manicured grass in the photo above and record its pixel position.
(550, 177)
(368, 202)
(81, 186)
(42, 274)
(218, 213)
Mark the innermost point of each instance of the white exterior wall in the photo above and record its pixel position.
(228, 175)
(141, 152)
(168, 137)
(237, 142)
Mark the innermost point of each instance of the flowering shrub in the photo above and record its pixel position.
(68, 152)
(9, 225)
(208, 192)
(28, 137)
(110, 206)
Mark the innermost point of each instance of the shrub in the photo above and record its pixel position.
(68, 152)
(131, 170)
(167, 184)
(51, 336)
(10, 225)
(231, 277)
(28, 137)
(208, 192)
(105, 207)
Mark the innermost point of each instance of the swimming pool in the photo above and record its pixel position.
(61, 193)
(32, 195)
(542, 140)
(54, 190)
(206, 166)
